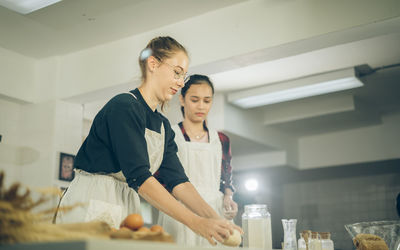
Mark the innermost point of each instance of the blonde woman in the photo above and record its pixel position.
(129, 141)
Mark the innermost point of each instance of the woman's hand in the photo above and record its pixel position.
(230, 207)
(214, 229)
(208, 224)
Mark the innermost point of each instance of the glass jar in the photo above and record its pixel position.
(315, 242)
(256, 224)
(327, 243)
(306, 234)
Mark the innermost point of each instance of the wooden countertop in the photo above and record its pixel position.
(96, 244)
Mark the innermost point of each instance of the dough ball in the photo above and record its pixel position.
(234, 239)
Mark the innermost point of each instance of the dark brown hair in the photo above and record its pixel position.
(195, 79)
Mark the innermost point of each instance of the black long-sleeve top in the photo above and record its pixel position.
(116, 142)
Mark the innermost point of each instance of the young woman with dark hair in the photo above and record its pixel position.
(205, 155)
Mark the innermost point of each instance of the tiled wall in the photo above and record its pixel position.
(327, 205)
(325, 199)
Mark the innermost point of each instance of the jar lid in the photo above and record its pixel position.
(256, 206)
(314, 235)
(325, 235)
(306, 234)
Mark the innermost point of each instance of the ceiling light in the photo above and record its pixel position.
(26, 6)
(251, 184)
(296, 89)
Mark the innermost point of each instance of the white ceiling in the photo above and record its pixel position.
(73, 25)
(376, 52)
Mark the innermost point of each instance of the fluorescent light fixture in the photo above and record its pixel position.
(296, 89)
(251, 184)
(26, 6)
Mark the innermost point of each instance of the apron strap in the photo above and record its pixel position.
(132, 95)
(53, 221)
(178, 132)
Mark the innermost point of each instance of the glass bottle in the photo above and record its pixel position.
(256, 223)
(289, 229)
(326, 242)
(301, 243)
(315, 242)
(307, 237)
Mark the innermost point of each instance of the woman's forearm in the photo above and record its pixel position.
(188, 195)
(228, 192)
(154, 193)
(211, 229)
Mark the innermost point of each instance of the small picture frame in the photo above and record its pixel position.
(66, 167)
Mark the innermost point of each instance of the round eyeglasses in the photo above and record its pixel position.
(178, 73)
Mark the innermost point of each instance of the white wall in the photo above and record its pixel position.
(17, 76)
(9, 146)
(259, 160)
(99, 67)
(250, 125)
(46, 79)
(374, 143)
(33, 137)
(37, 133)
(67, 133)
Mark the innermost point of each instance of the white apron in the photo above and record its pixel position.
(202, 164)
(108, 197)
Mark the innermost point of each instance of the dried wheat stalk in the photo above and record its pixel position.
(19, 224)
